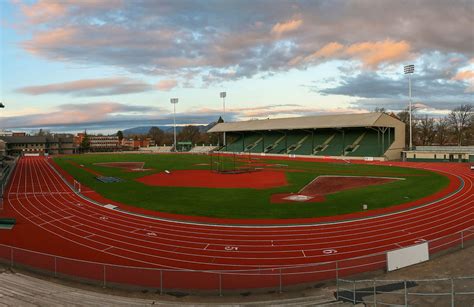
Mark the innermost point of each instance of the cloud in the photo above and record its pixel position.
(89, 87)
(464, 75)
(371, 54)
(166, 85)
(207, 39)
(285, 27)
(435, 84)
(82, 113)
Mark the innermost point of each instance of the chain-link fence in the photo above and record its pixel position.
(217, 282)
(457, 291)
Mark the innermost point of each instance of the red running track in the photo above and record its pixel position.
(52, 219)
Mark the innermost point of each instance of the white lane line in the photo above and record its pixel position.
(55, 220)
(107, 248)
(90, 235)
(303, 253)
(206, 246)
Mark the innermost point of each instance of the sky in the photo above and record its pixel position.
(107, 65)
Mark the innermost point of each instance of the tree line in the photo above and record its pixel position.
(454, 129)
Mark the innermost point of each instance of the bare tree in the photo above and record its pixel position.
(461, 119)
(442, 131)
(426, 130)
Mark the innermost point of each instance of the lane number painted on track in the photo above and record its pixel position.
(329, 251)
(151, 234)
(231, 248)
(104, 218)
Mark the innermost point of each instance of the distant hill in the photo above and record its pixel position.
(145, 129)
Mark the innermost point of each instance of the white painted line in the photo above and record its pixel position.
(303, 253)
(206, 246)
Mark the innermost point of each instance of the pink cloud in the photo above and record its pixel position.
(89, 87)
(288, 26)
(166, 85)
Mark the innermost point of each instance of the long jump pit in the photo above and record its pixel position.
(262, 179)
(322, 185)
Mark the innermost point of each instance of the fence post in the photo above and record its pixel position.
(281, 286)
(354, 291)
(220, 284)
(406, 292)
(104, 284)
(375, 293)
(452, 292)
(337, 280)
(161, 282)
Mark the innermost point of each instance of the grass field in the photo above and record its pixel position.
(249, 203)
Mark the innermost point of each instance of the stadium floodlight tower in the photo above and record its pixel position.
(174, 101)
(223, 95)
(410, 69)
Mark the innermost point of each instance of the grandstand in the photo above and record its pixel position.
(348, 136)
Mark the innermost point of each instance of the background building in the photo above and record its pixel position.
(18, 145)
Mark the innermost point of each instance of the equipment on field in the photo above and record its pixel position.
(231, 163)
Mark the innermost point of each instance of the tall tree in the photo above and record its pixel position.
(120, 135)
(157, 135)
(190, 133)
(442, 131)
(461, 119)
(85, 143)
(426, 130)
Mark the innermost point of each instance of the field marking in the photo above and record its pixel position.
(55, 220)
(206, 246)
(303, 253)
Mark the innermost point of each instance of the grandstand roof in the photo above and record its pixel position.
(312, 122)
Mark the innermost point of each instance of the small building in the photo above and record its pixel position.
(440, 154)
(19, 145)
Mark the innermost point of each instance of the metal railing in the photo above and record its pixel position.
(442, 291)
(161, 278)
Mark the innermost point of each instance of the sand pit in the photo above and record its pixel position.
(207, 179)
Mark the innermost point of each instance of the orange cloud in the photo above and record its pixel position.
(464, 75)
(166, 85)
(288, 26)
(371, 54)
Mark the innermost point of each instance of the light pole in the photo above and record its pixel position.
(174, 101)
(409, 69)
(223, 95)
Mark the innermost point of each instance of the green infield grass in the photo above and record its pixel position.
(249, 203)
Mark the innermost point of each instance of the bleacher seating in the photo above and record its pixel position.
(202, 149)
(357, 142)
